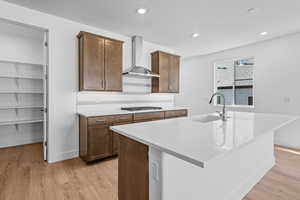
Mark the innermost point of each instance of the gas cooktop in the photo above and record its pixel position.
(141, 108)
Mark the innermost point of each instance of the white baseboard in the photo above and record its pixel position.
(64, 156)
(245, 187)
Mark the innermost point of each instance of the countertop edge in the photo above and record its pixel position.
(123, 112)
(165, 150)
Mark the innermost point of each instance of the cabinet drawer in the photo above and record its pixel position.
(97, 120)
(148, 116)
(109, 119)
(175, 113)
(121, 118)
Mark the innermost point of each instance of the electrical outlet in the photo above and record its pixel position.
(155, 171)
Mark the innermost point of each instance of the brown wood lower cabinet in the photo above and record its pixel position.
(116, 139)
(175, 113)
(148, 116)
(115, 143)
(97, 141)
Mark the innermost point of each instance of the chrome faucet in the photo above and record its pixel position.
(223, 113)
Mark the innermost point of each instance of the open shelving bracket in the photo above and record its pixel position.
(17, 83)
(17, 127)
(17, 111)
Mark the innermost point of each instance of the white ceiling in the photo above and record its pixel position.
(222, 24)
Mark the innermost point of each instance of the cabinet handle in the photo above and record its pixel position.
(102, 86)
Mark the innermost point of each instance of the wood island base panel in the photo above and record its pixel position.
(133, 170)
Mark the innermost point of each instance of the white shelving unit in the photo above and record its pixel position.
(21, 103)
(23, 85)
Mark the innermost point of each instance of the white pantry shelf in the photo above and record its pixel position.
(16, 122)
(21, 63)
(20, 107)
(21, 77)
(21, 92)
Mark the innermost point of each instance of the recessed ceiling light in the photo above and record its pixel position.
(195, 35)
(252, 10)
(141, 11)
(264, 33)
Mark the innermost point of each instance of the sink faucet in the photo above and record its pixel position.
(223, 113)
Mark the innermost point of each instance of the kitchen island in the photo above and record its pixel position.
(198, 157)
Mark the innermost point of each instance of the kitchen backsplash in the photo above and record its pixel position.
(115, 100)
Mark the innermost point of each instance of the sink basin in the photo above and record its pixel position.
(206, 118)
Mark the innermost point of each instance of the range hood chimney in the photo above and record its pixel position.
(137, 68)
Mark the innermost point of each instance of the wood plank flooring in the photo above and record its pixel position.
(283, 181)
(24, 176)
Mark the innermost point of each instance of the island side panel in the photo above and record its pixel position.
(232, 175)
(133, 173)
(155, 174)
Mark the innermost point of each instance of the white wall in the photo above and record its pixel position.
(21, 44)
(63, 73)
(276, 81)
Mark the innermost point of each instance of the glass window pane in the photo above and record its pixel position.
(224, 80)
(228, 93)
(243, 81)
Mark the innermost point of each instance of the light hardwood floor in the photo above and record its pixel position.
(24, 176)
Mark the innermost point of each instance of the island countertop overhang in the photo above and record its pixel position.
(199, 143)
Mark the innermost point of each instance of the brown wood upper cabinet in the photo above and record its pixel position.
(167, 66)
(100, 63)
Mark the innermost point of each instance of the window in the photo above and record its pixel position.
(234, 79)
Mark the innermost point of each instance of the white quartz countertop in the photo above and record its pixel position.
(197, 142)
(104, 112)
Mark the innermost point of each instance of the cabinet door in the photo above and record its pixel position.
(116, 139)
(99, 142)
(174, 74)
(115, 143)
(164, 63)
(113, 65)
(92, 63)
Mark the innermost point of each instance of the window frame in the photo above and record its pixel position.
(233, 60)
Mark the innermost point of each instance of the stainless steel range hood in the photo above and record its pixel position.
(137, 55)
